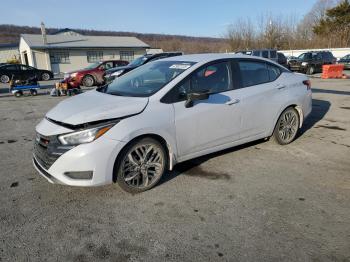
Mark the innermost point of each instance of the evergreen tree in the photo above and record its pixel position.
(336, 24)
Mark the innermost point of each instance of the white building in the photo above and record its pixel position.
(9, 52)
(67, 52)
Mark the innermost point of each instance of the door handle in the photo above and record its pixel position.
(280, 86)
(232, 102)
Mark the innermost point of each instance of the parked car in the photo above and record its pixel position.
(91, 75)
(266, 53)
(22, 72)
(244, 52)
(281, 59)
(312, 62)
(113, 73)
(135, 129)
(345, 61)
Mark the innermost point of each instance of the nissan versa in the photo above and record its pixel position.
(136, 128)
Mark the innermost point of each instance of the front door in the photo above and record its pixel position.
(207, 123)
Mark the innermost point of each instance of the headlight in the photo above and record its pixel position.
(117, 73)
(304, 63)
(84, 136)
(73, 75)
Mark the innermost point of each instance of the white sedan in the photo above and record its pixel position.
(136, 128)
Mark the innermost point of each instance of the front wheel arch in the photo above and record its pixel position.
(160, 139)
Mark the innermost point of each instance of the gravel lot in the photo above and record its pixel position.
(257, 202)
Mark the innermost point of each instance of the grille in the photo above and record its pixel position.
(44, 150)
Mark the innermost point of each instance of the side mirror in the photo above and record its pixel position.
(195, 97)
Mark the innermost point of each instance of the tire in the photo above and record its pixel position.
(18, 94)
(287, 126)
(140, 165)
(88, 81)
(33, 92)
(310, 70)
(4, 79)
(45, 76)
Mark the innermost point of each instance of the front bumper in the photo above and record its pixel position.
(97, 157)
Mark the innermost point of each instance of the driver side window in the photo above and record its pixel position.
(211, 79)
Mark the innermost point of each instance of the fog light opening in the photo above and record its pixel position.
(79, 174)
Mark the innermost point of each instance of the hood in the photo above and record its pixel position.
(115, 69)
(80, 71)
(95, 106)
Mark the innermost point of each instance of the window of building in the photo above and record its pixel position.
(94, 56)
(59, 58)
(127, 55)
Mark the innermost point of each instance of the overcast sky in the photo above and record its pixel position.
(185, 17)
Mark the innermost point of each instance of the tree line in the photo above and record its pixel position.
(326, 25)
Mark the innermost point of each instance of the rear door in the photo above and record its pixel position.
(259, 96)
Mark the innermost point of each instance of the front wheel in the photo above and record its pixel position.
(287, 126)
(310, 70)
(141, 165)
(45, 77)
(88, 81)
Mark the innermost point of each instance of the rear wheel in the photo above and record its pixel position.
(141, 165)
(88, 81)
(4, 79)
(287, 126)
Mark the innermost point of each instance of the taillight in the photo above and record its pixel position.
(308, 84)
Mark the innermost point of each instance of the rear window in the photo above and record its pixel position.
(274, 72)
(253, 73)
(10, 67)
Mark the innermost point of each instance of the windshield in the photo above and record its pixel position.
(146, 80)
(305, 56)
(138, 61)
(92, 66)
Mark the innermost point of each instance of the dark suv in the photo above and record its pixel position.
(113, 73)
(312, 62)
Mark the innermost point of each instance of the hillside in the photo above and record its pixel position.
(187, 44)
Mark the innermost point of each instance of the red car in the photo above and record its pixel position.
(91, 75)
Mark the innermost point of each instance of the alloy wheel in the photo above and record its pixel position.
(143, 165)
(288, 126)
(4, 79)
(45, 76)
(88, 81)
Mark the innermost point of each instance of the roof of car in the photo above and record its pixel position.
(197, 58)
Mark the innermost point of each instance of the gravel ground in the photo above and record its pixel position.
(257, 202)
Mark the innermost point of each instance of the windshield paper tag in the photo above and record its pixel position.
(180, 66)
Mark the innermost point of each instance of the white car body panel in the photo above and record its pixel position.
(224, 120)
(94, 106)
